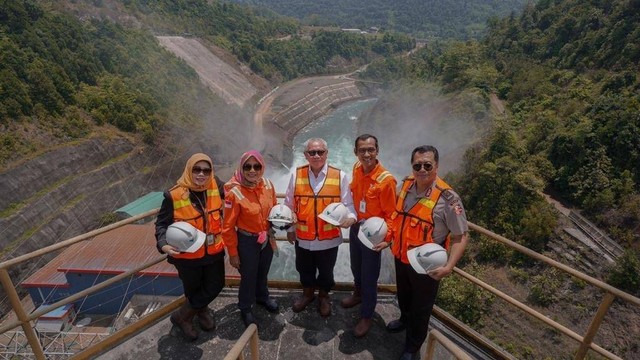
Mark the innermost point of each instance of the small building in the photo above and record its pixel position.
(150, 201)
(56, 320)
(91, 262)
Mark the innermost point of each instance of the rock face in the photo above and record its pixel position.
(66, 192)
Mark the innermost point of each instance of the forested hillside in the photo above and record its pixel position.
(60, 76)
(568, 74)
(458, 19)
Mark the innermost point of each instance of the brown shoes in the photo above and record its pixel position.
(183, 318)
(324, 303)
(362, 328)
(206, 320)
(352, 300)
(302, 302)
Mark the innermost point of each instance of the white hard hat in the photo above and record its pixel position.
(185, 237)
(280, 217)
(372, 232)
(334, 213)
(427, 257)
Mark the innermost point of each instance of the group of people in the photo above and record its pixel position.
(235, 216)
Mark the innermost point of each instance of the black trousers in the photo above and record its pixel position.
(201, 283)
(365, 266)
(309, 263)
(255, 261)
(416, 297)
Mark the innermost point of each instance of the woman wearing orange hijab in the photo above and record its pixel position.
(196, 200)
(246, 232)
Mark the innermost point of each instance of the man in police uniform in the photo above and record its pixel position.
(427, 210)
(312, 187)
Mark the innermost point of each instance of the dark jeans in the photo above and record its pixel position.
(309, 263)
(365, 266)
(201, 283)
(416, 297)
(255, 262)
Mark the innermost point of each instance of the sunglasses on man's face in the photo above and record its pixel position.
(426, 166)
(248, 167)
(316, 152)
(197, 170)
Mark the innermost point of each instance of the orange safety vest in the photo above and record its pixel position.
(415, 227)
(211, 224)
(308, 205)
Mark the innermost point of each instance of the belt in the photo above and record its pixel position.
(247, 233)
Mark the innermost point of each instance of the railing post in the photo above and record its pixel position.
(431, 346)
(30, 333)
(595, 324)
(254, 346)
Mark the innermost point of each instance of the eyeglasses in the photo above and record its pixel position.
(316, 152)
(426, 166)
(370, 150)
(198, 170)
(248, 167)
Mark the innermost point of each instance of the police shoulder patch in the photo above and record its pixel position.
(448, 195)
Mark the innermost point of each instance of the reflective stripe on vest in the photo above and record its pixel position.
(308, 205)
(183, 210)
(415, 227)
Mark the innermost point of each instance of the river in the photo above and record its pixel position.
(339, 130)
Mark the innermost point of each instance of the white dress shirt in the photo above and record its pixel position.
(316, 184)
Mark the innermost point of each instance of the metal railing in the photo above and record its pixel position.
(249, 335)
(24, 320)
(436, 336)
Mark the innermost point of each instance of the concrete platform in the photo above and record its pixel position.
(286, 335)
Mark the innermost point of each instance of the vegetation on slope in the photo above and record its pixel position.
(61, 77)
(567, 71)
(422, 18)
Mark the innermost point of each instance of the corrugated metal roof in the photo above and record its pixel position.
(152, 200)
(113, 252)
(117, 251)
(48, 275)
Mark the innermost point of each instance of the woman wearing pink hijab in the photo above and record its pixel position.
(246, 232)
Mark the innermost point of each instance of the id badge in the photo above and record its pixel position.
(363, 206)
(262, 237)
(210, 239)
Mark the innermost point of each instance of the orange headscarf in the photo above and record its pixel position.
(186, 180)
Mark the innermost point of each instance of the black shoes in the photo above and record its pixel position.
(396, 326)
(247, 317)
(271, 305)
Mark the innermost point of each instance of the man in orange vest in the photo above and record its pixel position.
(312, 187)
(427, 211)
(374, 195)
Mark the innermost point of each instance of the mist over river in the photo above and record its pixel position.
(339, 130)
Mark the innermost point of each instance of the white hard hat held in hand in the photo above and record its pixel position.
(427, 257)
(185, 237)
(281, 217)
(372, 232)
(334, 213)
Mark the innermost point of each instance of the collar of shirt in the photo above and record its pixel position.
(413, 189)
(313, 180)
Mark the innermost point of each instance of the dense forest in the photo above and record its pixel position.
(423, 18)
(61, 76)
(568, 72)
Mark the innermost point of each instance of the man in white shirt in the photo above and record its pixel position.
(312, 187)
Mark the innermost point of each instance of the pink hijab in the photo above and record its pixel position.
(237, 175)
